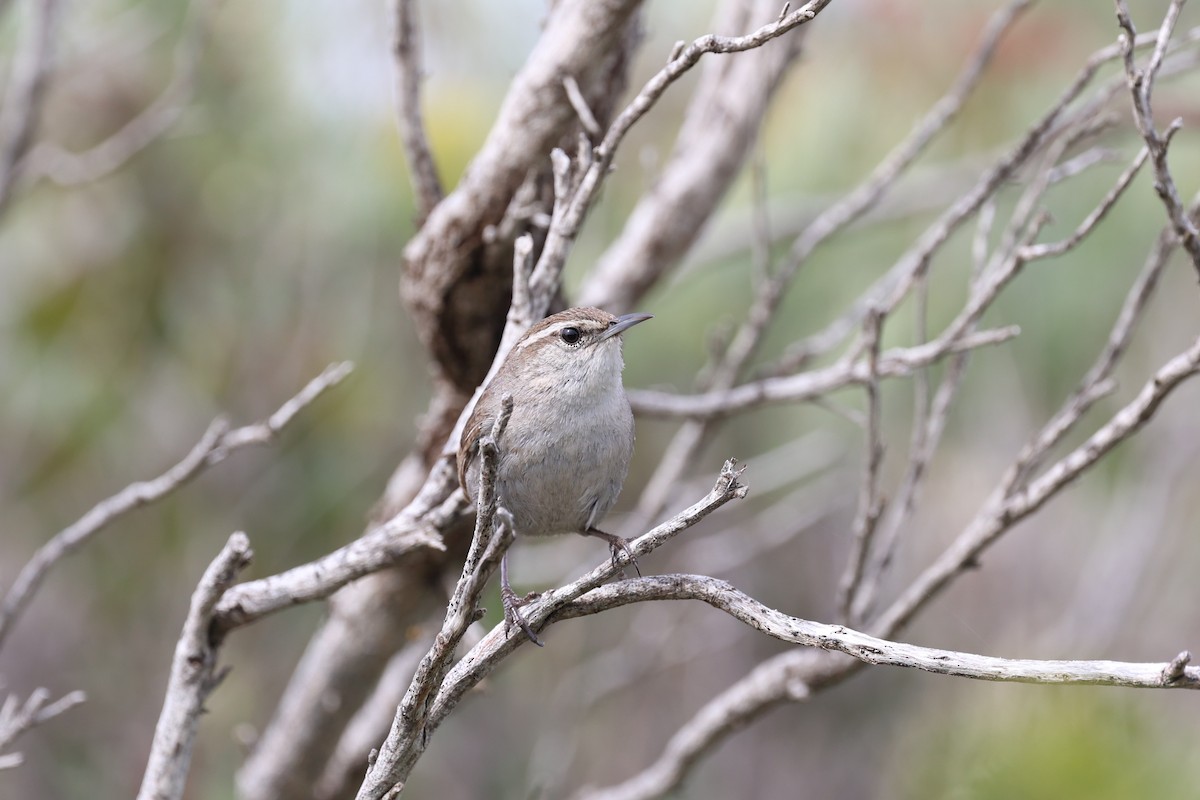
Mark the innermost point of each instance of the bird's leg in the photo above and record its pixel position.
(512, 616)
(618, 546)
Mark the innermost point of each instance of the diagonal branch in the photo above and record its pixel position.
(722, 121)
(213, 448)
(409, 734)
(1003, 511)
(396, 761)
(870, 503)
(563, 232)
(16, 718)
(67, 168)
(795, 675)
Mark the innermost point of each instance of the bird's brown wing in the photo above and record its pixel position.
(468, 446)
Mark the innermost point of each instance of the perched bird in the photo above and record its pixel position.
(565, 452)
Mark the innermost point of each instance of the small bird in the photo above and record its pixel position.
(564, 455)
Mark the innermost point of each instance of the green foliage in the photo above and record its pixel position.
(1057, 743)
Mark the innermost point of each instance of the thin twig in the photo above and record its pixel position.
(870, 505)
(406, 53)
(868, 194)
(27, 85)
(216, 444)
(890, 289)
(67, 168)
(1141, 88)
(1096, 383)
(567, 226)
(1004, 510)
(806, 386)
(579, 103)
(16, 718)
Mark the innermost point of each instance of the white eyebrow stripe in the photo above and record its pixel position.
(555, 330)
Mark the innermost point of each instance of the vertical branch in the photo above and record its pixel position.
(870, 505)
(1141, 88)
(409, 734)
(26, 91)
(406, 52)
(193, 678)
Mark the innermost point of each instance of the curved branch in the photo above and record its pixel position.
(721, 124)
(566, 228)
(1141, 88)
(67, 168)
(872, 650)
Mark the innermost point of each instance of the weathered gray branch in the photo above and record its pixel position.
(194, 675)
(402, 752)
(872, 650)
(16, 718)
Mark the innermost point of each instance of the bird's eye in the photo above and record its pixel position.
(570, 335)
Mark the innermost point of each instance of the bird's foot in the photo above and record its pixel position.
(512, 614)
(618, 546)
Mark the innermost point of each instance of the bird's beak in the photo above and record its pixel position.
(624, 323)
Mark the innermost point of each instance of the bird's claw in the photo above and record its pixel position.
(620, 547)
(513, 616)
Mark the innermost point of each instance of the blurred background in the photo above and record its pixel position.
(259, 239)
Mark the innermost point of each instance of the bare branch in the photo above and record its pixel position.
(406, 52)
(770, 292)
(1096, 383)
(377, 549)
(1049, 250)
(67, 168)
(722, 121)
(868, 194)
(897, 362)
(216, 444)
(794, 675)
(26, 90)
(403, 748)
(193, 678)
(1004, 511)
(890, 289)
(563, 233)
(872, 650)
(370, 724)
(768, 685)
(1141, 87)
(16, 718)
(578, 102)
(491, 539)
(587, 40)
(870, 505)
